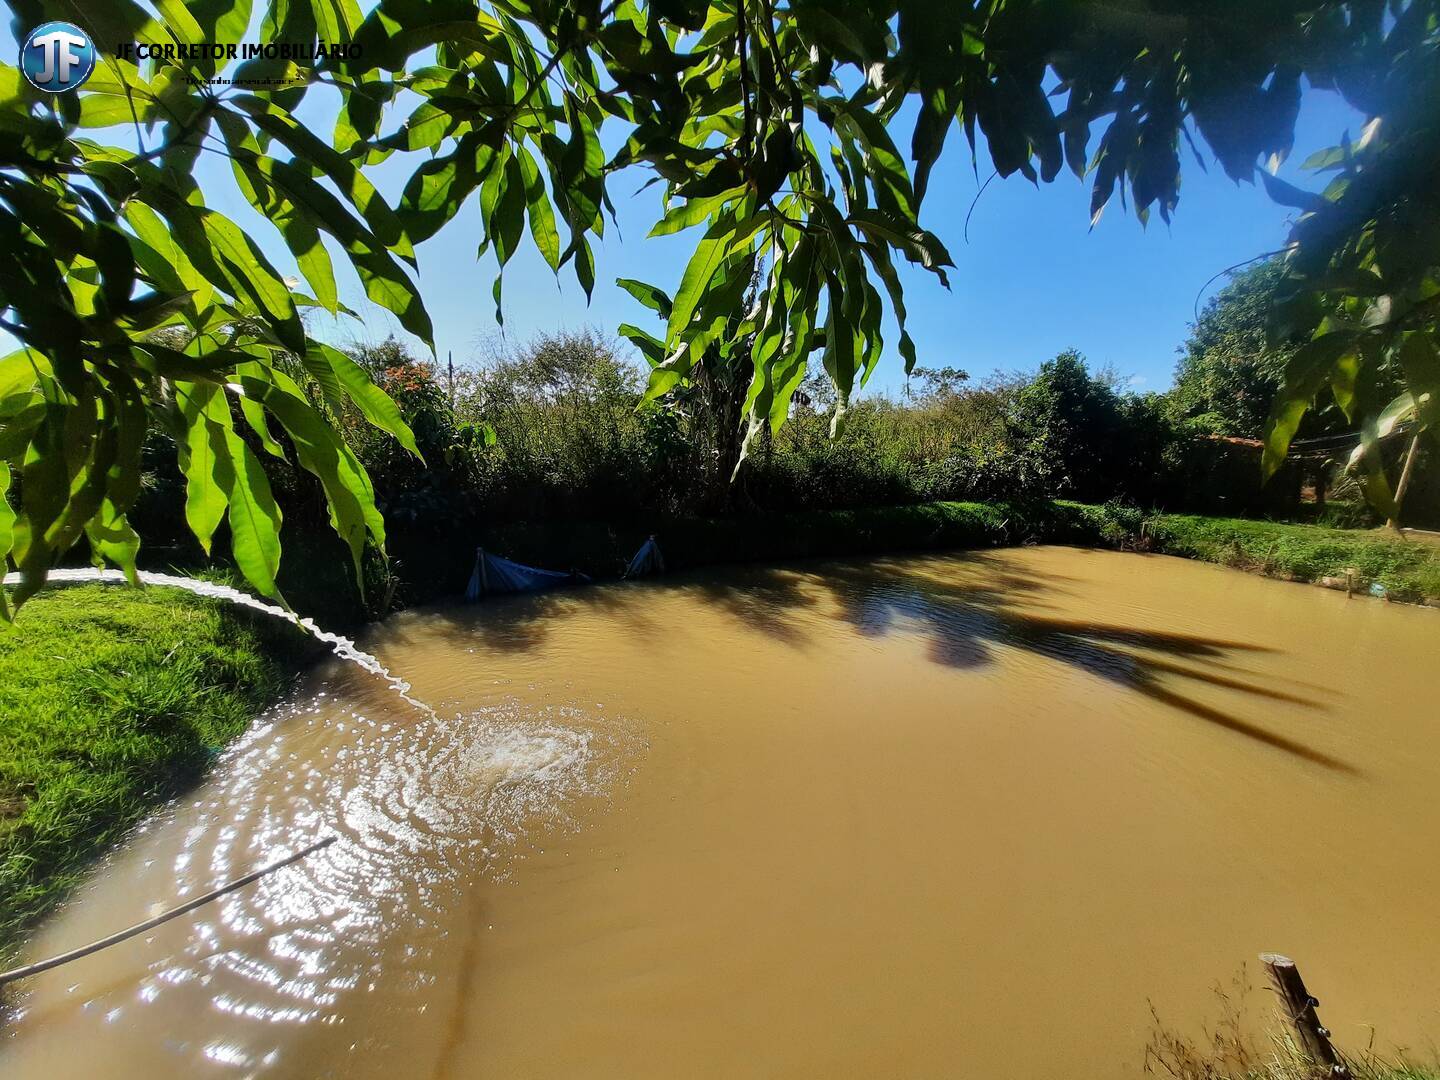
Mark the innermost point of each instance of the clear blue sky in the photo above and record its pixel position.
(1032, 279)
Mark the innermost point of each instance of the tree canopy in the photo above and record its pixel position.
(773, 128)
(1230, 369)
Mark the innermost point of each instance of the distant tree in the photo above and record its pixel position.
(1228, 373)
(1097, 442)
(940, 382)
(1233, 369)
(569, 364)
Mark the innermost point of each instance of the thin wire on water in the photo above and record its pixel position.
(341, 646)
(36, 968)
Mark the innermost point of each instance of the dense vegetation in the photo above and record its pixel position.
(769, 126)
(110, 703)
(1408, 571)
(558, 431)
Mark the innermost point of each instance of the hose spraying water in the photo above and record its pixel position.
(342, 647)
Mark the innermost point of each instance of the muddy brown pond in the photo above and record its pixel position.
(966, 815)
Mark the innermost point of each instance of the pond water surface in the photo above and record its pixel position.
(963, 815)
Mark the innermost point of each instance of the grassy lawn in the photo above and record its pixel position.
(111, 701)
(1409, 569)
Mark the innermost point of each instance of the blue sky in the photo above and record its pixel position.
(1032, 279)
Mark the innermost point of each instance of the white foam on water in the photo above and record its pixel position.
(423, 809)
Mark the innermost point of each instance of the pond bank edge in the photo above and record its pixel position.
(1405, 570)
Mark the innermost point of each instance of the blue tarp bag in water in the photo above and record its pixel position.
(496, 575)
(647, 560)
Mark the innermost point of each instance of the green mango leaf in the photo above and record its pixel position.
(217, 246)
(113, 539)
(692, 212)
(7, 517)
(542, 215)
(7, 534)
(161, 259)
(384, 280)
(915, 244)
(440, 187)
(253, 515)
(1308, 370)
(509, 212)
(886, 168)
(350, 180)
(297, 227)
(652, 297)
(373, 403)
(709, 256)
(349, 494)
(21, 370)
(202, 408)
(1420, 362)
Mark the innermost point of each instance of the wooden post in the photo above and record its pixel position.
(1299, 1007)
(1404, 483)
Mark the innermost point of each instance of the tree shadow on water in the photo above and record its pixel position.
(970, 610)
(974, 609)
(521, 623)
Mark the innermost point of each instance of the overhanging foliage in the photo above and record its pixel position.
(770, 125)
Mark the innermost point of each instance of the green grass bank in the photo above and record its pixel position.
(111, 702)
(1407, 569)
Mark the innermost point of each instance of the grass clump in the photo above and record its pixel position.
(111, 701)
(1227, 1049)
(1408, 570)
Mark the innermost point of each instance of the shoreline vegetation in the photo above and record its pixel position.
(113, 701)
(1405, 569)
(1239, 1045)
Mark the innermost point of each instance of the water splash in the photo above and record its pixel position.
(342, 647)
(359, 935)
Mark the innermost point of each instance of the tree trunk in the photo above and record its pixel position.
(1405, 473)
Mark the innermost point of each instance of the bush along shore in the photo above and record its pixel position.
(112, 701)
(1370, 560)
(434, 566)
